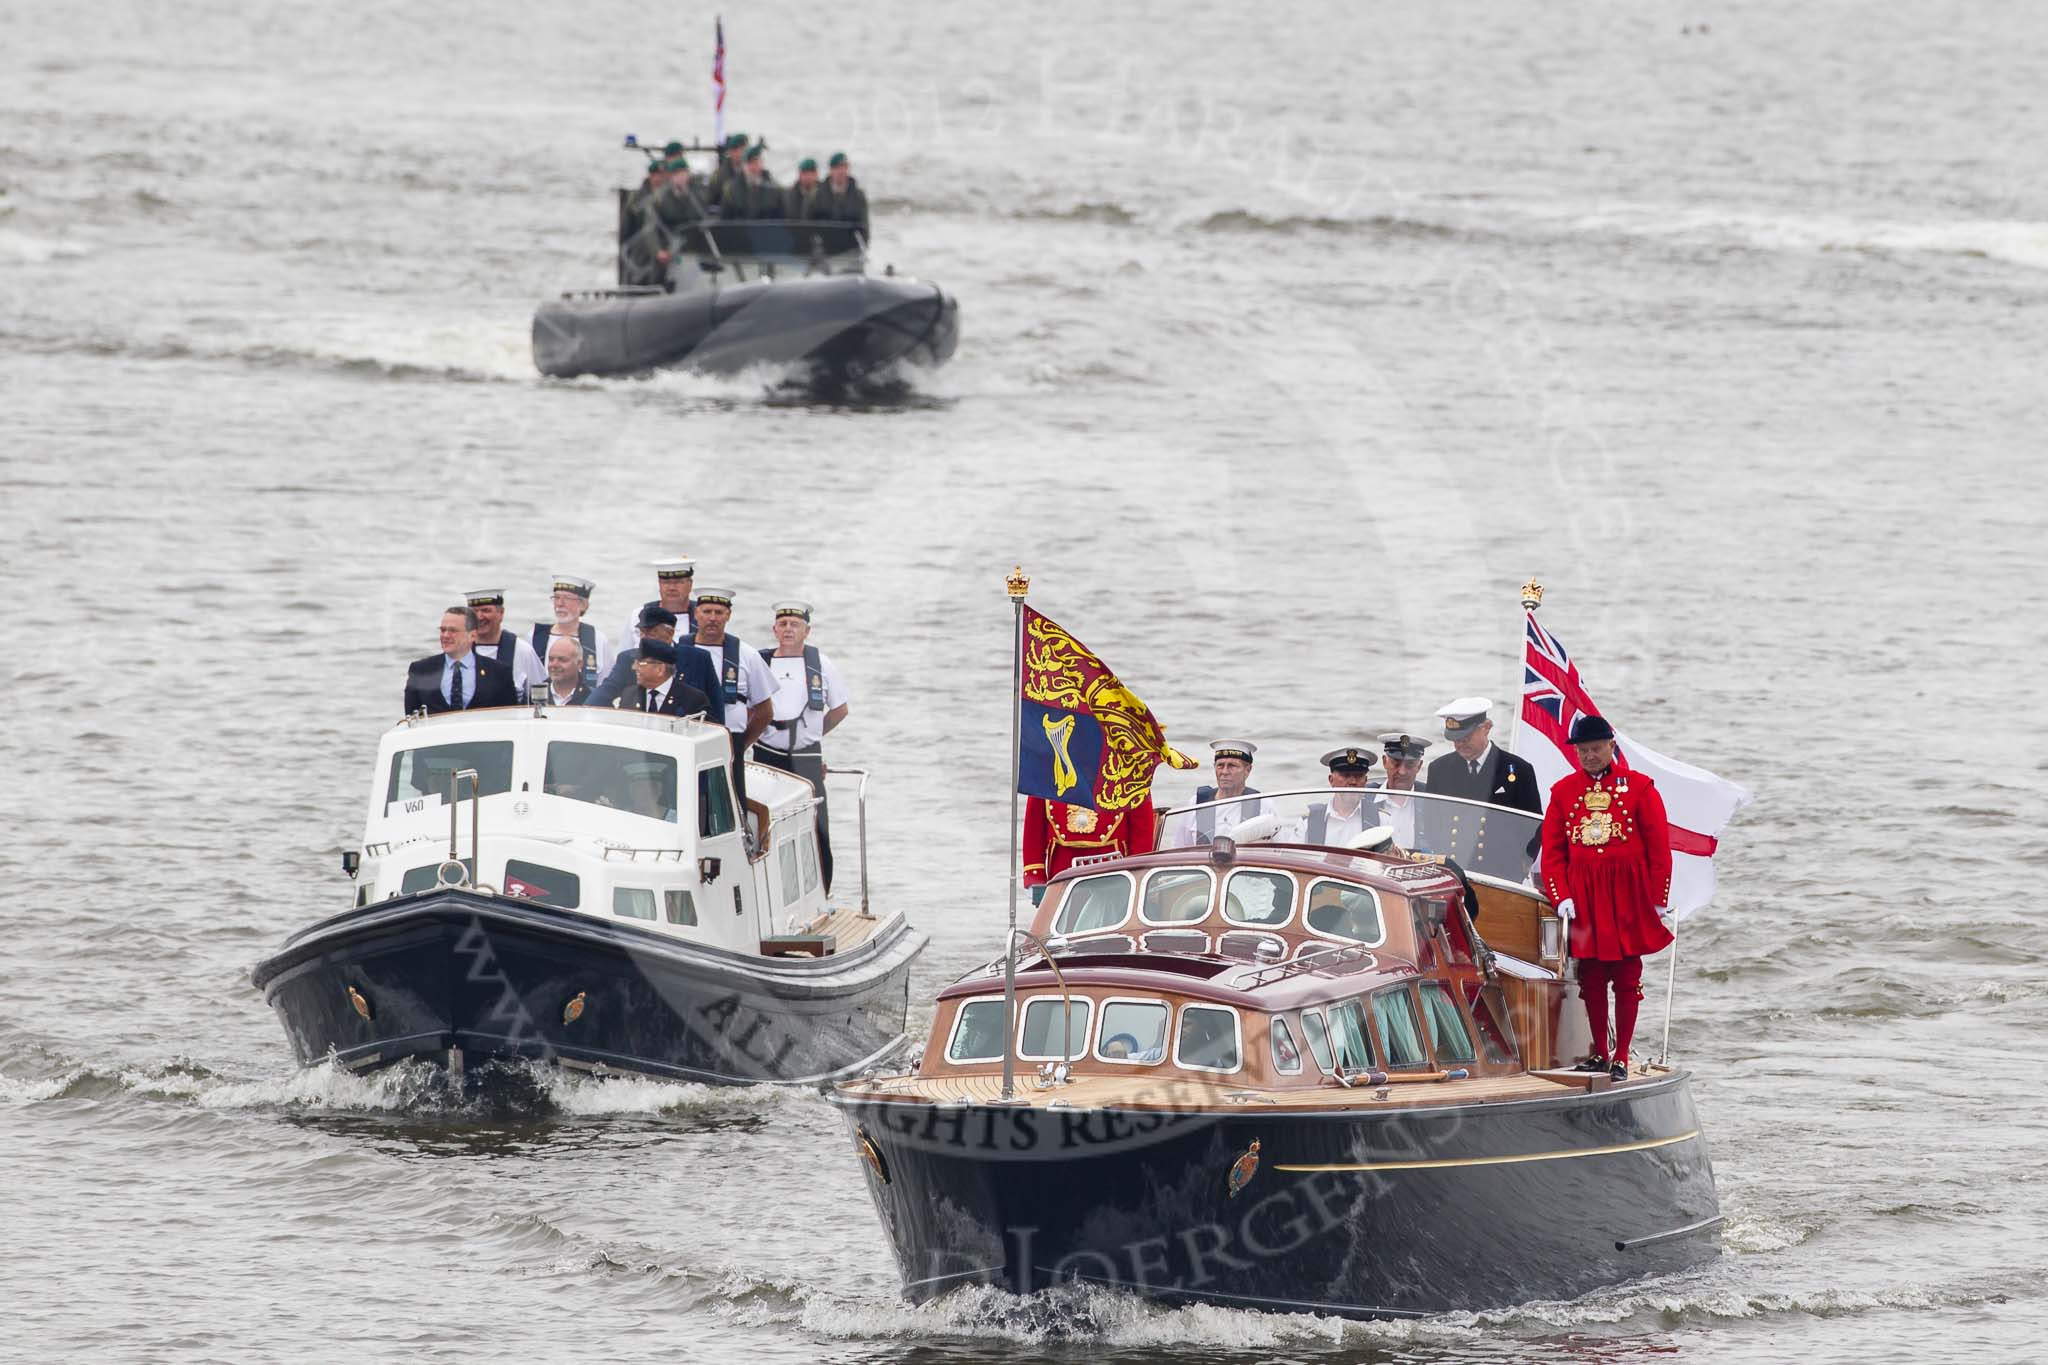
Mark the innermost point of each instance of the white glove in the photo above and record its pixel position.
(1664, 913)
(1567, 908)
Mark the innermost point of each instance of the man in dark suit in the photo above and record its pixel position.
(458, 678)
(656, 689)
(1478, 770)
(657, 622)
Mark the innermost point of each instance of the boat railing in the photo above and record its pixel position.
(464, 874)
(860, 796)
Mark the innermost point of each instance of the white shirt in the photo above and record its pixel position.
(1397, 812)
(467, 663)
(561, 698)
(527, 668)
(606, 655)
(757, 681)
(659, 696)
(1338, 827)
(793, 701)
(1182, 831)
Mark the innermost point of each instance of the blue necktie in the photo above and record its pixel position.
(455, 687)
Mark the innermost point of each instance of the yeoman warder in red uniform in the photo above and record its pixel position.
(1056, 833)
(1607, 869)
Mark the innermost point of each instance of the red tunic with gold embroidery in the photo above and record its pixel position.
(1055, 834)
(1607, 846)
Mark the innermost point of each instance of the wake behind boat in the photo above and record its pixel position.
(578, 885)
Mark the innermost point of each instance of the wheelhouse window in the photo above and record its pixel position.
(633, 902)
(1208, 1039)
(1342, 910)
(1490, 1016)
(421, 776)
(630, 780)
(1446, 1026)
(809, 859)
(714, 803)
(1286, 1056)
(1349, 1041)
(1318, 1036)
(1094, 903)
(1133, 1031)
(1394, 1013)
(1039, 1039)
(680, 905)
(792, 880)
(977, 1033)
(1265, 898)
(1178, 895)
(531, 881)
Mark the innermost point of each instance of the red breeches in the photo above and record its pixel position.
(1626, 978)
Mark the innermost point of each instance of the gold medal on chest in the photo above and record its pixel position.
(1080, 820)
(1598, 827)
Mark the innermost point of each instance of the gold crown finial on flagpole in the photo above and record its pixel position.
(1532, 595)
(1017, 584)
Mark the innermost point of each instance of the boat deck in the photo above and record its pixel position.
(1180, 1093)
(835, 931)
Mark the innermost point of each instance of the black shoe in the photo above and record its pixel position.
(1593, 1063)
(1618, 1072)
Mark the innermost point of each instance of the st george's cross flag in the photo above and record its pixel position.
(1699, 804)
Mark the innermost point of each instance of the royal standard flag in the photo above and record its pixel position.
(1087, 739)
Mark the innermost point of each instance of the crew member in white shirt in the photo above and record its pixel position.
(1348, 812)
(810, 700)
(673, 579)
(744, 678)
(571, 600)
(493, 641)
(1402, 756)
(1233, 764)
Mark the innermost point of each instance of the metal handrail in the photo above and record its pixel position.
(475, 870)
(861, 801)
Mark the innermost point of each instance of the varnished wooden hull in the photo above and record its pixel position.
(1394, 1212)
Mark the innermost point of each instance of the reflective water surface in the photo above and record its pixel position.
(1292, 344)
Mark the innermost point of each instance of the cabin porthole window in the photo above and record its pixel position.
(1286, 1056)
(1038, 1036)
(1342, 910)
(1208, 1039)
(1350, 1044)
(1176, 895)
(681, 905)
(1446, 1025)
(633, 902)
(977, 1033)
(1133, 1032)
(1094, 903)
(1317, 1033)
(792, 885)
(1393, 1013)
(1261, 898)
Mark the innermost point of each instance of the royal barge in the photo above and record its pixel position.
(1284, 1076)
(581, 886)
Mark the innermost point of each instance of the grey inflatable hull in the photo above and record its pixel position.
(842, 328)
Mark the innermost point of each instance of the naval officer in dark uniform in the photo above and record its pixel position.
(1479, 770)
(458, 678)
(657, 622)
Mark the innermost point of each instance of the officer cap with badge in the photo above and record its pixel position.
(675, 568)
(1350, 759)
(1403, 747)
(1464, 715)
(1233, 748)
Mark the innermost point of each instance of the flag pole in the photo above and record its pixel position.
(1670, 991)
(1017, 585)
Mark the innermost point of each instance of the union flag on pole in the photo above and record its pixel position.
(1699, 804)
(1086, 738)
(718, 91)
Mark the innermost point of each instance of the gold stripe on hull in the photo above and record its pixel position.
(1445, 1163)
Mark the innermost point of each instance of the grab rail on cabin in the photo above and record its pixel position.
(470, 873)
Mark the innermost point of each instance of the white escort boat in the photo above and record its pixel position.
(578, 885)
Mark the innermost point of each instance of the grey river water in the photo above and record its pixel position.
(1293, 341)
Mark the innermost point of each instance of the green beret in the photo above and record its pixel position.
(736, 140)
(676, 163)
(673, 149)
(838, 159)
(807, 164)
(753, 154)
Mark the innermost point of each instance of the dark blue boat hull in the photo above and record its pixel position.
(838, 329)
(489, 977)
(1456, 1208)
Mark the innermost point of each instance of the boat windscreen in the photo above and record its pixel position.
(629, 780)
(1497, 840)
(427, 770)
